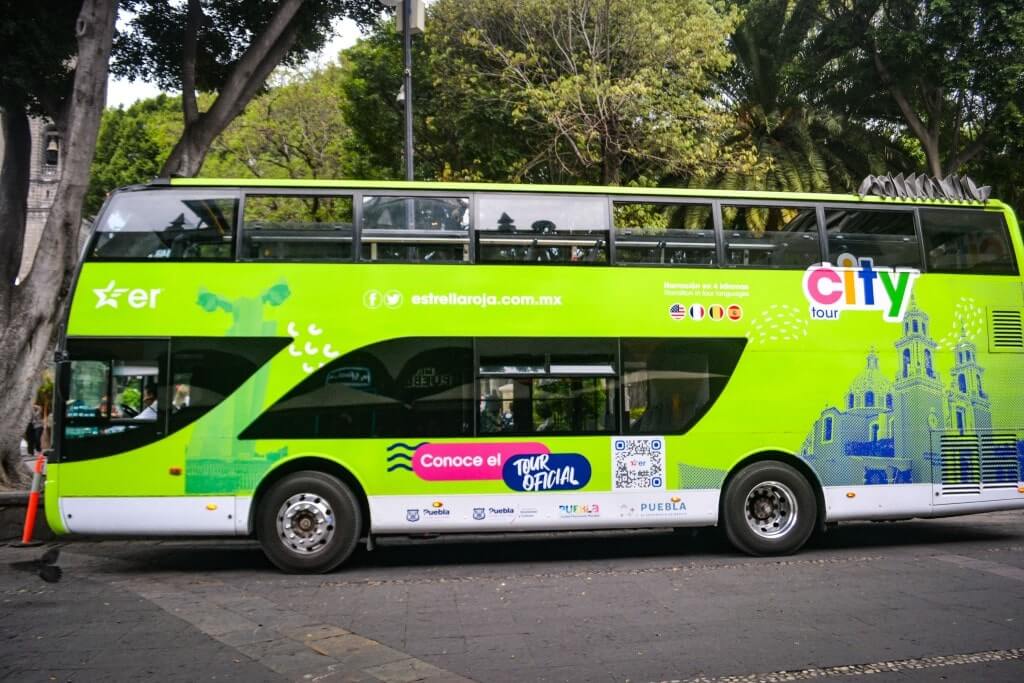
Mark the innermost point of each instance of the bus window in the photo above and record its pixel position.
(559, 386)
(664, 234)
(542, 229)
(297, 227)
(771, 236)
(434, 229)
(668, 384)
(401, 387)
(114, 390)
(965, 241)
(887, 237)
(166, 224)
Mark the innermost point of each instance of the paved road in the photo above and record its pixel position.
(911, 601)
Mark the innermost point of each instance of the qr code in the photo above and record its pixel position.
(638, 463)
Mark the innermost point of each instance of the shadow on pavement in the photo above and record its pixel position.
(481, 550)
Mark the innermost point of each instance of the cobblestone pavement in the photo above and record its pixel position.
(912, 601)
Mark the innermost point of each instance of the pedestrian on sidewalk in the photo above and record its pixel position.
(34, 431)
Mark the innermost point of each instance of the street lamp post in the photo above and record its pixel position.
(407, 83)
(410, 13)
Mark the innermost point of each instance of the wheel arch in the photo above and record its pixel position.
(309, 463)
(789, 459)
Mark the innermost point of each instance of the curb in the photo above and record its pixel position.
(12, 517)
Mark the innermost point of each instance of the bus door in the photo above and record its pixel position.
(115, 398)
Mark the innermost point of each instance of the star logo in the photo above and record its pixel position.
(107, 296)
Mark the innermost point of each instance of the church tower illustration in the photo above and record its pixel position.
(919, 395)
(886, 432)
(967, 406)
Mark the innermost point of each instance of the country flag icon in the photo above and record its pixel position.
(716, 312)
(696, 312)
(677, 311)
(735, 312)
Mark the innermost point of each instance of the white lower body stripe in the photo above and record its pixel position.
(157, 515)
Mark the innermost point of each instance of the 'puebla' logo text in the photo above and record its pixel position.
(856, 285)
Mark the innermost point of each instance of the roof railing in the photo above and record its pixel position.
(951, 188)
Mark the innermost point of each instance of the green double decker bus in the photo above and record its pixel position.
(320, 363)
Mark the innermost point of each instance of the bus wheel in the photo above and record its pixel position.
(769, 509)
(308, 522)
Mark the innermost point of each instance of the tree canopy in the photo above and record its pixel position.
(295, 130)
(132, 145)
(222, 47)
(948, 72)
(606, 91)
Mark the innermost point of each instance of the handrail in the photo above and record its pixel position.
(299, 238)
(541, 241)
(414, 239)
(655, 243)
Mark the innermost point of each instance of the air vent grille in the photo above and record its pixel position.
(972, 463)
(961, 464)
(999, 465)
(1006, 330)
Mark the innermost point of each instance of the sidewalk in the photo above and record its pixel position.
(83, 629)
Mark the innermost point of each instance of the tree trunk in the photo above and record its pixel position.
(14, 176)
(611, 167)
(188, 154)
(932, 156)
(36, 304)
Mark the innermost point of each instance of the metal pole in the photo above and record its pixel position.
(407, 42)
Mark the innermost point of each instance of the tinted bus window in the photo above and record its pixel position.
(166, 224)
(669, 384)
(306, 227)
(542, 229)
(434, 229)
(965, 241)
(415, 387)
(563, 386)
(121, 393)
(770, 236)
(887, 237)
(114, 391)
(664, 234)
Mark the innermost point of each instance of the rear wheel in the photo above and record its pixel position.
(308, 522)
(769, 509)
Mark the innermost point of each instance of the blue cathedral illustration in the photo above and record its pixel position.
(883, 433)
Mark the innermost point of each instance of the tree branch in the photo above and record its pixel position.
(922, 133)
(253, 66)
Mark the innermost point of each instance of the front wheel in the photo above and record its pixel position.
(769, 509)
(308, 522)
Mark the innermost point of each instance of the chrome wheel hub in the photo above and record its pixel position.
(770, 509)
(305, 523)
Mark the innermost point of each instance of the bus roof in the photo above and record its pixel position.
(562, 189)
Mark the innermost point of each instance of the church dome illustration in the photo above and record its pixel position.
(871, 388)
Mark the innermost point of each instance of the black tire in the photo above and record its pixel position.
(330, 509)
(769, 508)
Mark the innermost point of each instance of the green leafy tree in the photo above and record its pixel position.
(225, 47)
(605, 91)
(132, 145)
(295, 130)
(950, 72)
(459, 133)
(803, 144)
(563, 91)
